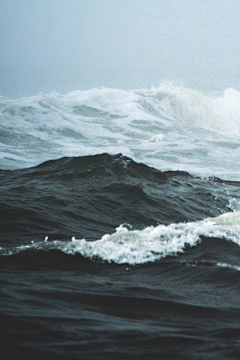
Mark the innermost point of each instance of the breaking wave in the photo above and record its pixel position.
(168, 127)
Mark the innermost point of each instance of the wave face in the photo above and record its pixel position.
(120, 225)
(169, 128)
(63, 198)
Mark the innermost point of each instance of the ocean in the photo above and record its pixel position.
(120, 225)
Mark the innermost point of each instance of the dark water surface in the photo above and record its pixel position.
(70, 306)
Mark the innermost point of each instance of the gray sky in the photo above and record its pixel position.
(77, 44)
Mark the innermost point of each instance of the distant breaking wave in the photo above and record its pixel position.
(169, 127)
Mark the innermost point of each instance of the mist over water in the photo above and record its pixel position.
(70, 45)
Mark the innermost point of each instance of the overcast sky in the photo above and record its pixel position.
(77, 44)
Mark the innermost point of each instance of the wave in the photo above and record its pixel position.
(64, 198)
(168, 127)
(88, 197)
(142, 246)
(216, 112)
(176, 257)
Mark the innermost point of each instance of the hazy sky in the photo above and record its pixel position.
(78, 44)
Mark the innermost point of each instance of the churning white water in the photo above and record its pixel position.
(169, 127)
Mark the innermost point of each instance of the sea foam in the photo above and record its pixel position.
(142, 246)
(169, 127)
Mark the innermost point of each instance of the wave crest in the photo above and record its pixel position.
(168, 127)
(143, 246)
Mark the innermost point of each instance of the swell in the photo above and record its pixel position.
(90, 196)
